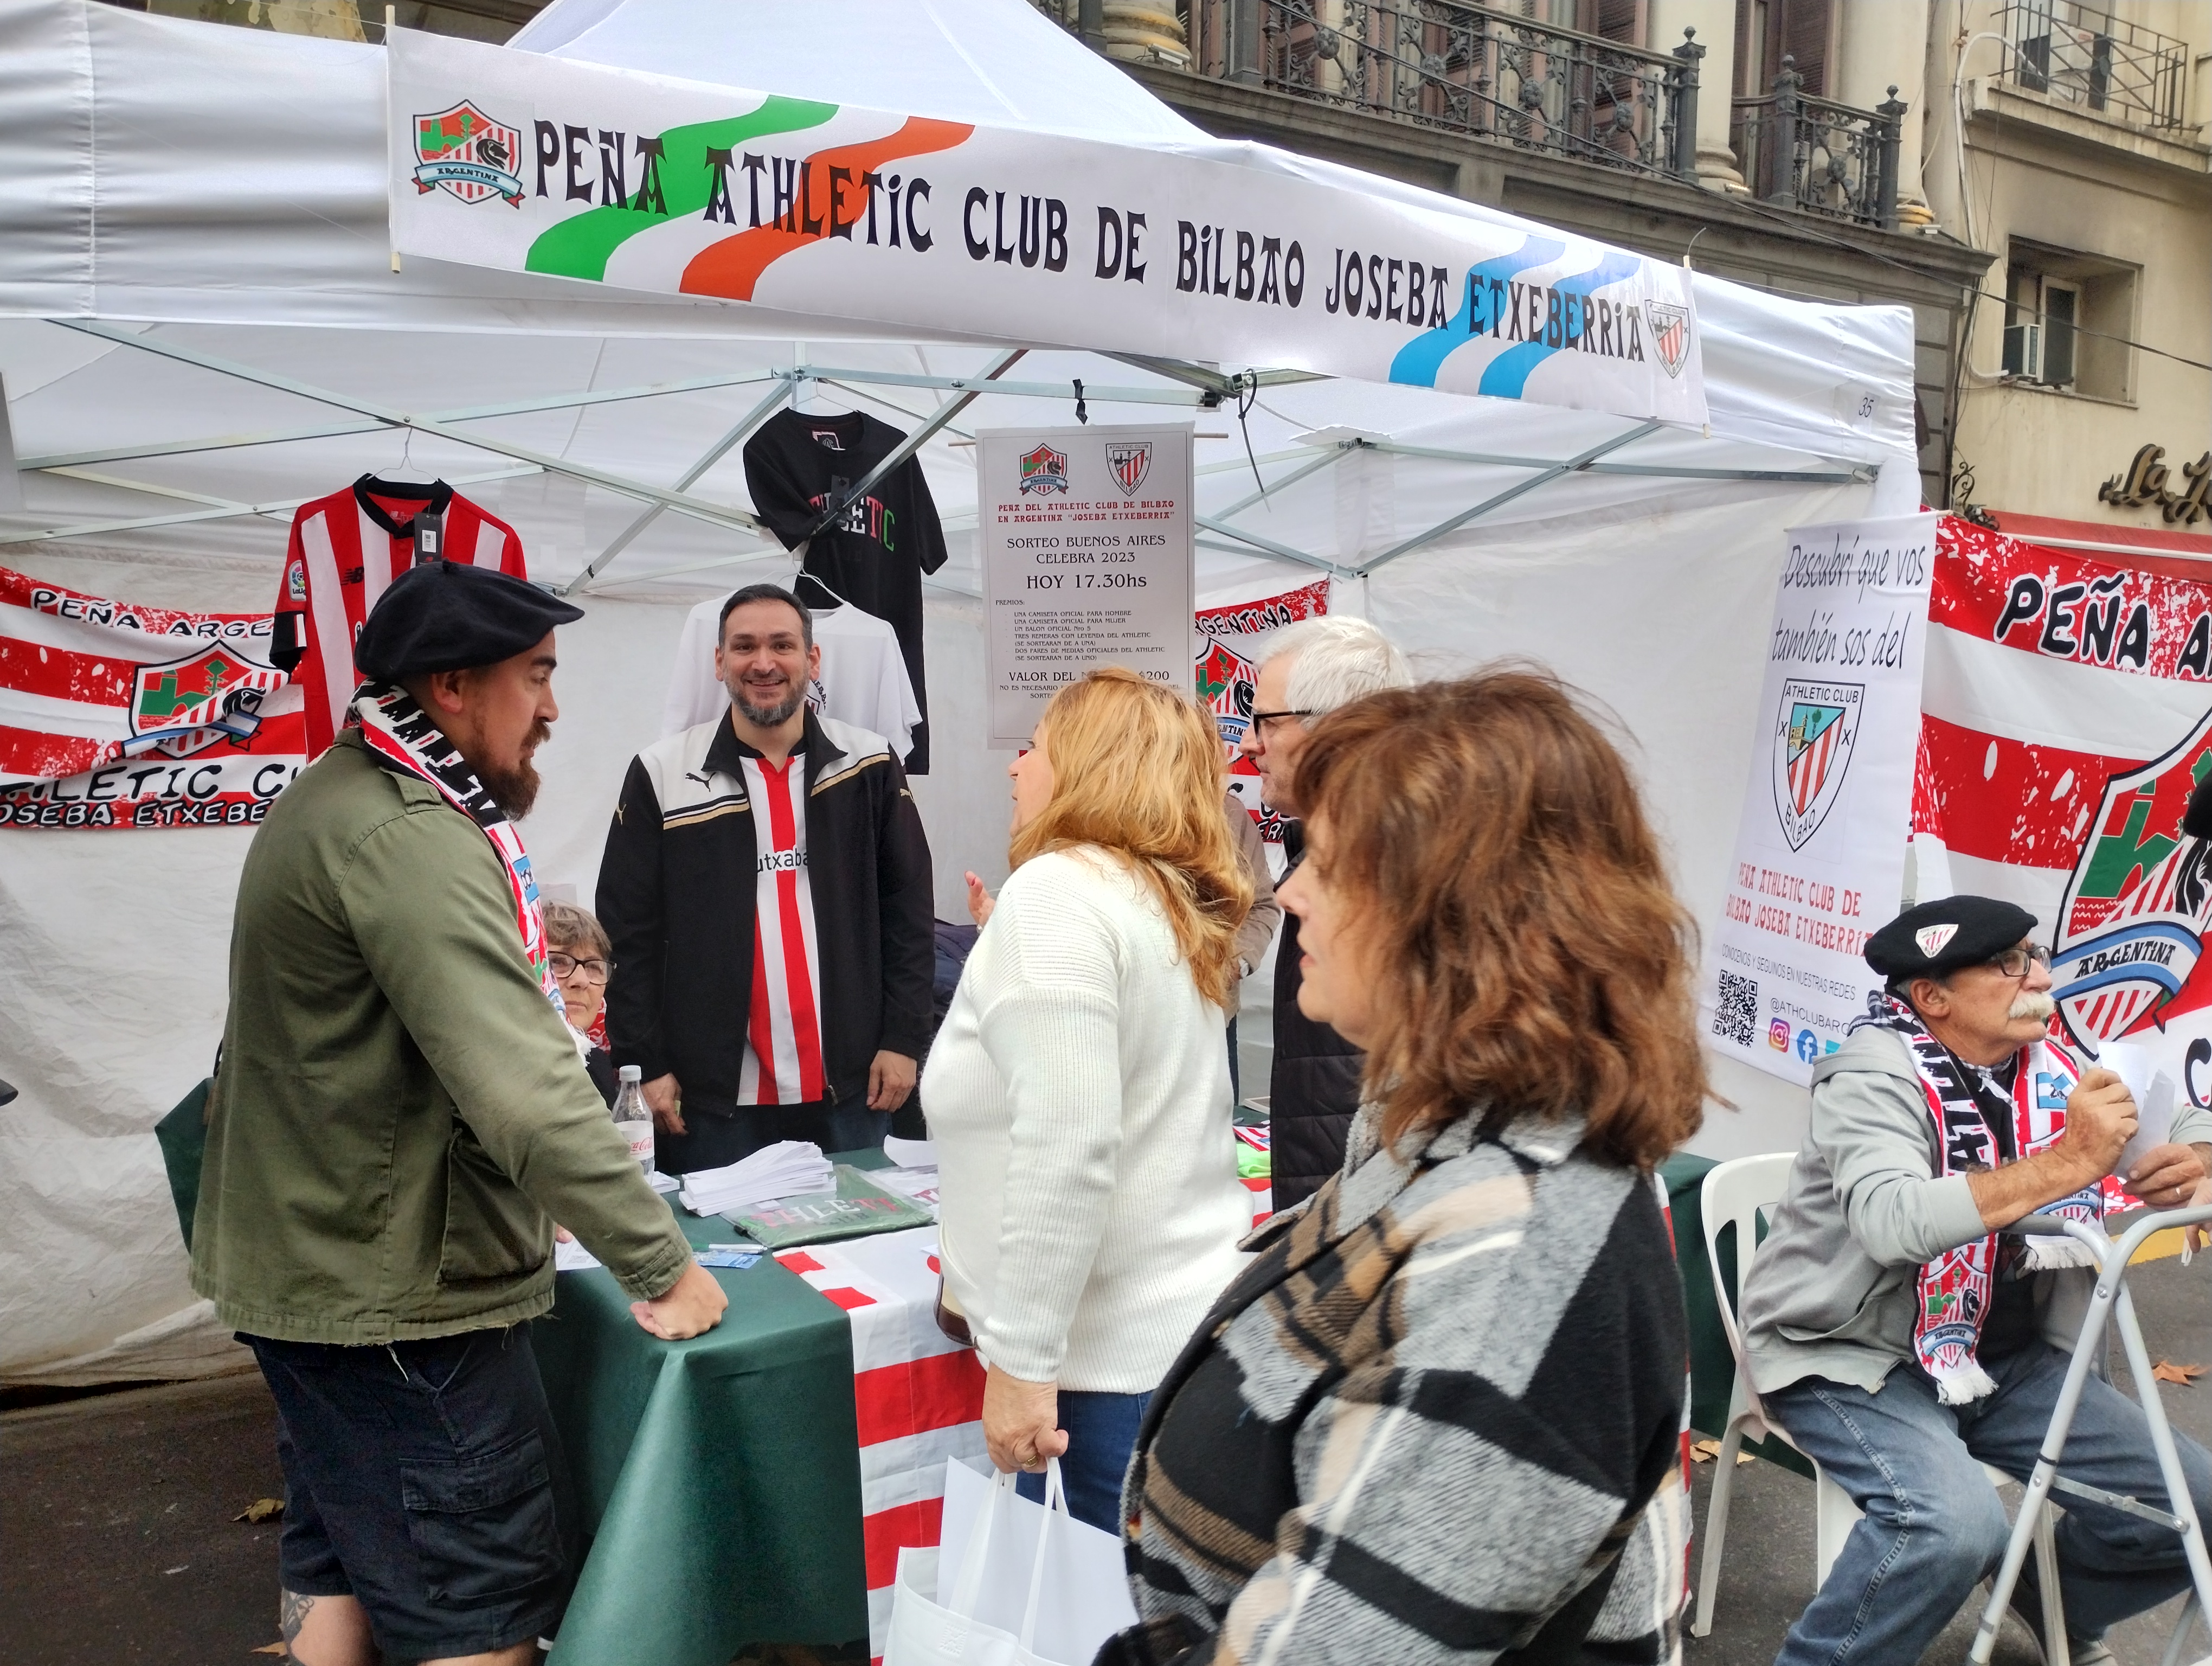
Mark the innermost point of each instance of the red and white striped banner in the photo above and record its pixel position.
(2067, 716)
(114, 715)
(918, 1395)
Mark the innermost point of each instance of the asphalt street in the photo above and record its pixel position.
(120, 1548)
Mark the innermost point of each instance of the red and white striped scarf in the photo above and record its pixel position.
(402, 737)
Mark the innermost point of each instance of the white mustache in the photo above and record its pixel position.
(2038, 1006)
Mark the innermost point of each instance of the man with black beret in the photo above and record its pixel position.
(1903, 1343)
(398, 1115)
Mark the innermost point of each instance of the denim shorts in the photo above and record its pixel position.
(424, 1479)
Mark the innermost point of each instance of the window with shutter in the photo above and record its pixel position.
(1808, 34)
(1619, 20)
(1766, 31)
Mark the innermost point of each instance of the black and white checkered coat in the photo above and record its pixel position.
(1436, 1420)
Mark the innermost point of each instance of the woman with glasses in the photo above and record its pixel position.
(576, 944)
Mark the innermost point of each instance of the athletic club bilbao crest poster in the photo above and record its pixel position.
(1815, 727)
(1819, 855)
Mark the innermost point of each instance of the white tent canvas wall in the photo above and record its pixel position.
(201, 327)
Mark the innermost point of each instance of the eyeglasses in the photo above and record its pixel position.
(1261, 720)
(567, 966)
(2014, 962)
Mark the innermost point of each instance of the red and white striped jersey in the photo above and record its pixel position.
(783, 1034)
(345, 549)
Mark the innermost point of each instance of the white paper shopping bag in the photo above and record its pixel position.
(1073, 1572)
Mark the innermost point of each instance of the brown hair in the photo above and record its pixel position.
(568, 927)
(1530, 957)
(1138, 770)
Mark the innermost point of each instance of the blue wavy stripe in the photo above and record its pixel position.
(1508, 374)
(1420, 359)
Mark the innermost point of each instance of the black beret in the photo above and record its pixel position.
(2196, 820)
(442, 616)
(1944, 935)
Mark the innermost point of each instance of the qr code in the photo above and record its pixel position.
(1736, 1017)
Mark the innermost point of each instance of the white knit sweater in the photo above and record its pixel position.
(1078, 1097)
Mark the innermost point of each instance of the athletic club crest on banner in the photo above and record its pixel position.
(1130, 464)
(1814, 731)
(1044, 470)
(465, 151)
(188, 705)
(1670, 333)
(2131, 925)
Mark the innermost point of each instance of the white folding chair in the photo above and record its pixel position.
(1734, 1193)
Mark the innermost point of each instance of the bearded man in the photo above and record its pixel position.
(397, 1115)
(767, 889)
(1904, 1343)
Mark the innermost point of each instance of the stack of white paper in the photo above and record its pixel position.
(783, 1170)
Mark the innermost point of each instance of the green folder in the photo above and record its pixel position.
(858, 1207)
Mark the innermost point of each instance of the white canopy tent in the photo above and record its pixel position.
(200, 327)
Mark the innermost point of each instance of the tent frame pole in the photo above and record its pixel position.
(1201, 386)
(969, 393)
(714, 454)
(1549, 473)
(714, 514)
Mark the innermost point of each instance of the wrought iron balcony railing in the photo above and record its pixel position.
(1462, 68)
(1485, 72)
(1817, 154)
(2082, 54)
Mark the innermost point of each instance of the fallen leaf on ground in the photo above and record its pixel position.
(262, 1509)
(1704, 1451)
(279, 1647)
(2165, 1371)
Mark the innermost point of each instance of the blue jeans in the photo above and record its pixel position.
(1101, 1432)
(1934, 1526)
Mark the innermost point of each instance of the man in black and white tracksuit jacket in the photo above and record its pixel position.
(767, 890)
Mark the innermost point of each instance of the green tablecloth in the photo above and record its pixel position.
(719, 1477)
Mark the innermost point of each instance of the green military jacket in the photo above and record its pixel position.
(398, 1109)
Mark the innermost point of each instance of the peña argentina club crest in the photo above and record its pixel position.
(2132, 923)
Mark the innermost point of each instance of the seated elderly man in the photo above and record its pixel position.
(1903, 1343)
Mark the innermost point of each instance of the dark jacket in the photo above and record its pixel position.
(676, 896)
(1314, 1090)
(1434, 1420)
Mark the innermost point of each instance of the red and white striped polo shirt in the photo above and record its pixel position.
(783, 1035)
(345, 549)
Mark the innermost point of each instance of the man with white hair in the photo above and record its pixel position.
(1311, 668)
(1904, 1342)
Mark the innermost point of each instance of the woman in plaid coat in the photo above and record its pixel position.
(1436, 1417)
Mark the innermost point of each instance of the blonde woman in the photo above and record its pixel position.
(1078, 1091)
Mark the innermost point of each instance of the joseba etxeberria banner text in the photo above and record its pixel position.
(525, 163)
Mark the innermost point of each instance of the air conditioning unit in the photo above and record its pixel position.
(2023, 350)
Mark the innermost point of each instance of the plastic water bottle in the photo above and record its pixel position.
(632, 1120)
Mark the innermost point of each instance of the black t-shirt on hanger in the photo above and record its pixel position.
(875, 557)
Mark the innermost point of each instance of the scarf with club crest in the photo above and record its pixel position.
(1956, 1287)
(402, 737)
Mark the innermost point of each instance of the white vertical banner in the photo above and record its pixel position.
(1819, 858)
(1085, 535)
